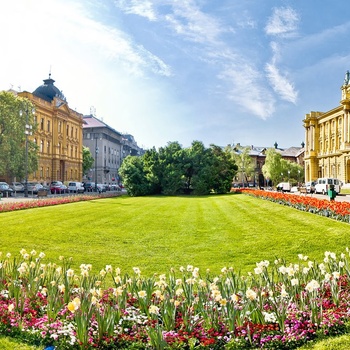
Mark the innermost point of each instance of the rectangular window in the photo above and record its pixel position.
(42, 124)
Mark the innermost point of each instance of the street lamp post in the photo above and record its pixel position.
(96, 153)
(288, 175)
(27, 132)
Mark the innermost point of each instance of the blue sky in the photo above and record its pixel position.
(217, 71)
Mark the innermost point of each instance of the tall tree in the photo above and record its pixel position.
(243, 160)
(278, 169)
(15, 114)
(272, 169)
(134, 177)
(88, 160)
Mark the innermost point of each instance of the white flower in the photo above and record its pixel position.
(137, 270)
(153, 309)
(336, 275)
(70, 272)
(294, 281)
(142, 294)
(282, 269)
(327, 277)
(189, 268)
(258, 270)
(250, 294)
(284, 294)
(312, 286)
(269, 317)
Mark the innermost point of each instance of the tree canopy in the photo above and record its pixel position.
(174, 170)
(15, 113)
(278, 169)
(88, 160)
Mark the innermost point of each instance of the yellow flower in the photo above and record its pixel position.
(74, 305)
(223, 302)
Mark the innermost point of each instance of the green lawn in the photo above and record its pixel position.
(156, 233)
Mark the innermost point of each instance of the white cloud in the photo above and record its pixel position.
(247, 91)
(143, 8)
(280, 84)
(283, 22)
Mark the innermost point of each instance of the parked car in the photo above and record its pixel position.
(76, 187)
(57, 187)
(34, 187)
(89, 186)
(5, 189)
(310, 186)
(101, 188)
(17, 186)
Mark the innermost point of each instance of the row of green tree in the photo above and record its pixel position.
(172, 170)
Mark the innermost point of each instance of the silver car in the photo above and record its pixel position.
(17, 186)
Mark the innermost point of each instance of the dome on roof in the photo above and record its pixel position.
(48, 91)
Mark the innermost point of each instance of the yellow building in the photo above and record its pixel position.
(59, 135)
(327, 140)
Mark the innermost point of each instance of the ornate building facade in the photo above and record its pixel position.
(58, 135)
(327, 140)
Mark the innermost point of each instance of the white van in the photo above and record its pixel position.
(75, 187)
(322, 185)
(284, 187)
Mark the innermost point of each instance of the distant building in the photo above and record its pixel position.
(327, 140)
(108, 147)
(258, 155)
(58, 135)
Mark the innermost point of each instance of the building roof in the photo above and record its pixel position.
(48, 91)
(291, 151)
(92, 122)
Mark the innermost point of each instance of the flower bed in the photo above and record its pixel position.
(278, 306)
(37, 203)
(334, 209)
